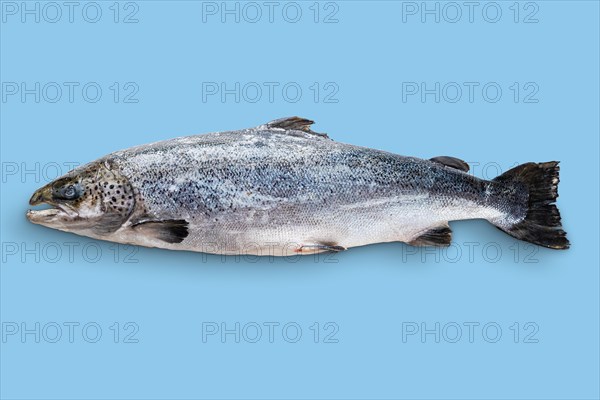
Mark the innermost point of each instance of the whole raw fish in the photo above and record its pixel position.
(282, 189)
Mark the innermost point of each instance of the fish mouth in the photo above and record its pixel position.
(45, 216)
(43, 196)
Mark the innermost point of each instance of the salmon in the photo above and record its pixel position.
(281, 189)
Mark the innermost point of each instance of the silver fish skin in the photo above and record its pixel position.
(281, 189)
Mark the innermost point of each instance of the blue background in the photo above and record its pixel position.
(369, 292)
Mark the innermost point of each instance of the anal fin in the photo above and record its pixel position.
(437, 236)
(169, 231)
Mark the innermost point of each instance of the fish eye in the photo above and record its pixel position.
(68, 192)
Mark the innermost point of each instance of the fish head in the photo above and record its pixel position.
(93, 200)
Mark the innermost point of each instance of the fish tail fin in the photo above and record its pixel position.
(538, 219)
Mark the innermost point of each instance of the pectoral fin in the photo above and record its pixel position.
(170, 231)
(437, 236)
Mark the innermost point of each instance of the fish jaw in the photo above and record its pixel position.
(44, 217)
(58, 217)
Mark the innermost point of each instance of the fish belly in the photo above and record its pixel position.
(305, 231)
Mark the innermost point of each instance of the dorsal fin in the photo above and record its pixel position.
(294, 124)
(451, 162)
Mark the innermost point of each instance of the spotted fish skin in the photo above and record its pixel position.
(281, 189)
